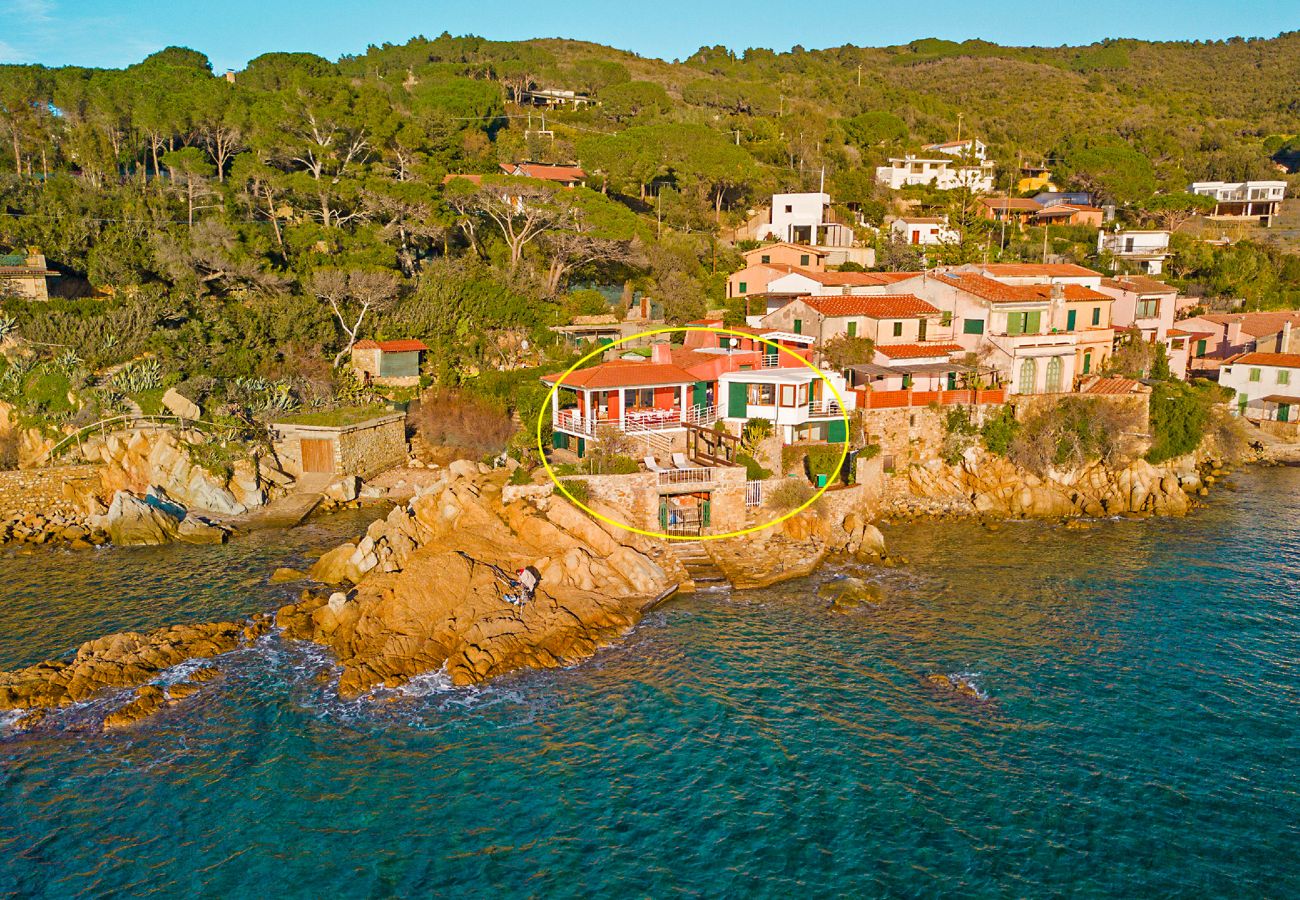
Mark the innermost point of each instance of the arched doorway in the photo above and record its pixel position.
(1028, 376)
(1053, 385)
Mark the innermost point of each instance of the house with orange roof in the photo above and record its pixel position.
(1267, 389)
(1070, 214)
(1017, 210)
(885, 318)
(801, 283)
(923, 231)
(569, 176)
(1035, 273)
(390, 363)
(771, 261)
(1148, 306)
(1220, 336)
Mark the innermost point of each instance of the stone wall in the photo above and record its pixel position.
(908, 435)
(636, 497)
(365, 449)
(60, 490)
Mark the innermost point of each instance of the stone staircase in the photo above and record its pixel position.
(704, 572)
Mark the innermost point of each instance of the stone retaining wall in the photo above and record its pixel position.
(60, 490)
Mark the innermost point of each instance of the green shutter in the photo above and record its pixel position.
(582, 447)
(803, 259)
(744, 287)
(1015, 323)
(1284, 412)
(1071, 319)
(701, 393)
(853, 329)
(898, 329)
(561, 440)
(1032, 321)
(738, 400)
(837, 431)
(705, 513)
(798, 326)
(1096, 315)
(972, 326)
(1200, 348)
(663, 513)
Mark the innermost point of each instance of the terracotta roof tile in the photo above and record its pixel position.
(621, 373)
(1285, 360)
(1113, 386)
(884, 306)
(1028, 270)
(998, 292)
(918, 351)
(545, 172)
(398, 346)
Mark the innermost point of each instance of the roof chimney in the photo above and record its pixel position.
(1058, 291)
(661, 353)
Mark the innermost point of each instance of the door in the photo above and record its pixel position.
(1053, 385)
(1071, 319)
(1284, 412)
(920, 330)
(737, 400)
(701, 397)
(317, 455)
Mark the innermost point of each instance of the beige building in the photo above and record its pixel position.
(884, 319)
(364, 448)
(24, 275)
(392, 363)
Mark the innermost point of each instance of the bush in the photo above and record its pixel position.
(790, 494)
(753, 471)
(460, 420)
(960, 434)
(1180, 417)
(1000, 430)
(1073, 432)
(520, 475)
(579, 491)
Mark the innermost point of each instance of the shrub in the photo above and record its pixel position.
(753, 471)
(790, 494)
(1000, 430)
(755, 431)
(578, 490)
(960, 435)
(1072, 432)
(520, 475)
(1180, 417)
(455, 418)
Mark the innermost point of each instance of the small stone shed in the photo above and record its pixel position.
(363, 448)
(392, 363)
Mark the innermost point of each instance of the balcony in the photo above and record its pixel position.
(636, 421)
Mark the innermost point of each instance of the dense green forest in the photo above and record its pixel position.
(251, 228)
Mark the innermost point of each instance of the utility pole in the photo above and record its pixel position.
(1046, 226)
(959, 118)
(859, 74)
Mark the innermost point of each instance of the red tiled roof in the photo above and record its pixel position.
(1138, 284)
(918, 351)
(1258, 324)
(399, 346)
(802, 248)
(1026, 270)
(621, 373)
(885, 306)
(1285, 360)
(547, 172)
(997, 292)
(1112, 386)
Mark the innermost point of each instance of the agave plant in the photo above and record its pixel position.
(68, 362)
(8, 327)
(144, 375)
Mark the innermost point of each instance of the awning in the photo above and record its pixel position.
(1281, 398)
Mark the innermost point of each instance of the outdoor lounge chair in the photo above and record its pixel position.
(652, 466)
(681, 462)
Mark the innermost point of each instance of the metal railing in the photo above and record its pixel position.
(699, 475)
(753, 494)
(825, 408)
(126, 422)
(702, 415)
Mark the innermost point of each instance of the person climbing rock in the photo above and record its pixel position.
(528, 578)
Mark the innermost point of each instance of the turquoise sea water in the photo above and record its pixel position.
(1140, 736)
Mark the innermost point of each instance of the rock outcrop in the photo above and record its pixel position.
(986, 484)
(433, 587)
(126, 660)
(153, 519)
(160, 457)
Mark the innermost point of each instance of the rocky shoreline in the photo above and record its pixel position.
(426, 589)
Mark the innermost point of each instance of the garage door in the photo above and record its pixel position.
(317, 455)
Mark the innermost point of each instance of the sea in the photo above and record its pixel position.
(1027, 712)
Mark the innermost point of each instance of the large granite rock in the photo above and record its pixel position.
(132, 521)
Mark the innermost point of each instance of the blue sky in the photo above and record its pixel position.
(119, 32)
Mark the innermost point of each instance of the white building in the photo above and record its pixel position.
(805, 218)
(972, 147)
(944, 173)
(924, 232)
(1258, 200)
(1267, 385)
(1144, 250)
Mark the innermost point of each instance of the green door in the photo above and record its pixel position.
(952, 381)
(1242, 401)
(836, 431)
(704, 513)
(560, 439)
(1284, 412)
(738, 400)
(798, 326)
(1071, 319)
(701, 393)
(582, 447)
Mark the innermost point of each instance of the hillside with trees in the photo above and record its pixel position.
(254, 227)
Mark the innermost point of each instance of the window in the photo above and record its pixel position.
(765, 258)
(787, 395)
(803, 259)
(789, 208)
(853, 329)
(920, 329)
(1096, 315)
(1028, 375)
(945, 319)
(1254, 374)
(1053, 385)
(762, 394)
(1128, 245)
(1071, 319)
(972, 326)
(1087, 363)
(744, 286)
(1148, 309)
(898, 329)
(798, 326)
(1200, 348)
(1283, 376)
(1023, 322)
(634, 398)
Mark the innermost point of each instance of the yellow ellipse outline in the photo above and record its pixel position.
(546, 406)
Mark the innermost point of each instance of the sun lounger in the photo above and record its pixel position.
(681, 462)
(652, 466)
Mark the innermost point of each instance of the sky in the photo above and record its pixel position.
(114, 33)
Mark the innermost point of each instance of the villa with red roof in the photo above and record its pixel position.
(1267, 387)
(886, 318)
(569, 176)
